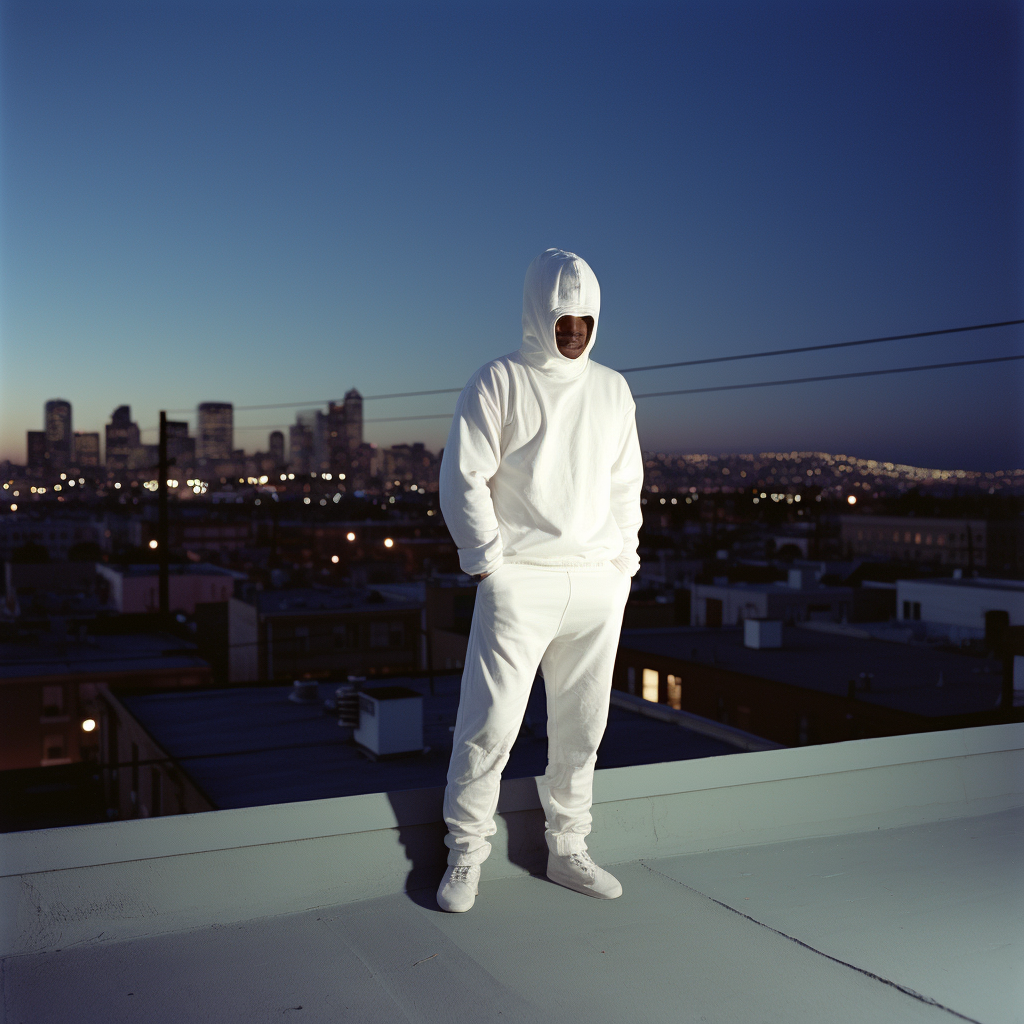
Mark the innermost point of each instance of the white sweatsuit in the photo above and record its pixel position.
(540, 488)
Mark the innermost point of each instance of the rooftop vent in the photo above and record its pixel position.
(761, 634)
(304, 691)
(390, 721)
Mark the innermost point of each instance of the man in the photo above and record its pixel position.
(540, 488)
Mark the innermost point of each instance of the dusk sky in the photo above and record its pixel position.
(276, 202)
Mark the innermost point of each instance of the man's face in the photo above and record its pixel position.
(572, 334)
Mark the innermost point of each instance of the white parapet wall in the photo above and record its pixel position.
(129, 879)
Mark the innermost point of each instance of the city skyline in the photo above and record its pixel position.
(219, 203)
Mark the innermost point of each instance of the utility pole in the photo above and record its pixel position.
(161, 530)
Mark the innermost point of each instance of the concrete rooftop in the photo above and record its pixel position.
(872, 881)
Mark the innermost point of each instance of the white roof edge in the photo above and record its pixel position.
(23, 853)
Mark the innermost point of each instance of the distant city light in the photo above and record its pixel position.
(63, 476)
(335, 559)
(388, 542)
(117, 487)
(71, 483)
(291, 476)
(56, 487)
(350, 536)
(852, 499)
(264, 479)
(337, 498)
(341, 476)
(153, 544)
(14, 507)
(305, 501)
(89, 725)
(327, 476)
(284, 476)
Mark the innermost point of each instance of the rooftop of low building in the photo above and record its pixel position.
(57, 654)
(246, 746)
(916, 677)
(868, 882)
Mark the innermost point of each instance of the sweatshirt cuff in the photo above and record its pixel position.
(628, 565)
(485, 558)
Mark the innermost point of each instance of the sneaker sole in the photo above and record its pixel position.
(585, 891)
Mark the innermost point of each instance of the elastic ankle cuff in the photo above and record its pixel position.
(566, 843)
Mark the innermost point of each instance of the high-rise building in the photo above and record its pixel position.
(300, 442)
(87, 449)
(215, 432)
(37, 450)
(180, 447)
(277, 448)
(353, 420)
(59, 439)
(122, 438)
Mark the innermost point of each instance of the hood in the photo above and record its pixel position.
(558, 283)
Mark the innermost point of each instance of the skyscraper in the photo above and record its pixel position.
(300, 444)
(122, 439)
(87, 449)
(180, 447)
(277, 448)
(37, 450)
(215, 432)
(59, 444)
(353, 420)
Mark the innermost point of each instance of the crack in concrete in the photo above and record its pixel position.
(920, 997)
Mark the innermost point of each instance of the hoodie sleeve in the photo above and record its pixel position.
(471, 458)
(627, 481)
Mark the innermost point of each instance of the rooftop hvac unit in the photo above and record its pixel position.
(762, 633)
(390, 721)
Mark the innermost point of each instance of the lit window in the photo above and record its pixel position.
(650, 685)
(675, 692)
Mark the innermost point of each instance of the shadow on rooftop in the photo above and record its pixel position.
(423, 840)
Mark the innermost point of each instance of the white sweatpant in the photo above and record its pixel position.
(567, 621)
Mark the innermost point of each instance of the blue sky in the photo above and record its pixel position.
(274, 202)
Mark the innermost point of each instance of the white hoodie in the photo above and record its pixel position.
(542, 464)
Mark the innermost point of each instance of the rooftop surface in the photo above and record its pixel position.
(140, 569)
(131, 652)
(923, 923)
(874, 881)
(302, 600)
(910, 677)
(976, 583)
(251, 745)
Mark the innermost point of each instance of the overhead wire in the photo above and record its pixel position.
(638, 369)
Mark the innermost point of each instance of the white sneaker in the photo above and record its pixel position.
(458, 889)
(577, 871)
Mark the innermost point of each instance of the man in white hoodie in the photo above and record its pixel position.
(540, 488)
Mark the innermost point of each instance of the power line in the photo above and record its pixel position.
(751, 384)
(818, 348)
(829, 376)
(638, 369)
(327, 401)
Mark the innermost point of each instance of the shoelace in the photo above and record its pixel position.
(460, 873)
(583, 861)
